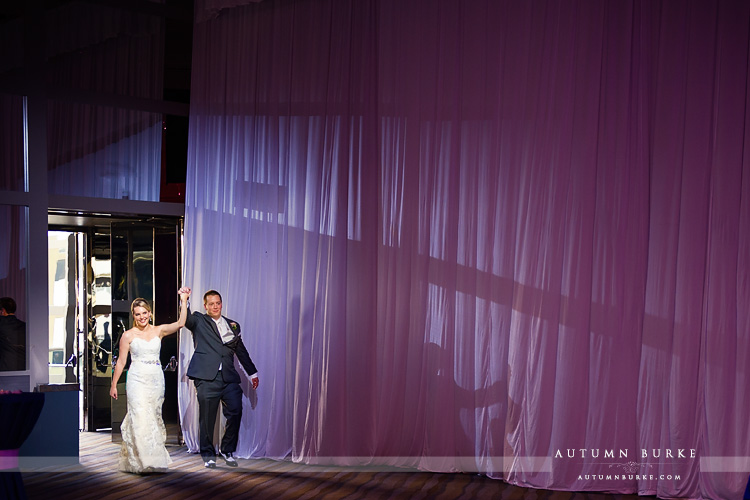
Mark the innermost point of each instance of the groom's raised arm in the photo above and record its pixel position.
(191, 320)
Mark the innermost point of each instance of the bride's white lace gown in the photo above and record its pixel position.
(143, 431)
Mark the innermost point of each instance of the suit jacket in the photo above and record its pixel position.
(12, 343)
(211, 351)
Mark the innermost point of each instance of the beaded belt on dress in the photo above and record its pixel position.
(148, 362)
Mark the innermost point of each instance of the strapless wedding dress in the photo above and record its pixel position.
(143, 431)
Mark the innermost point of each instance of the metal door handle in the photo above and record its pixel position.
(172, 365)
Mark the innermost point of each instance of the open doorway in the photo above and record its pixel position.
(98, 266)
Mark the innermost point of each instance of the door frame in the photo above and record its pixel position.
(90, 222)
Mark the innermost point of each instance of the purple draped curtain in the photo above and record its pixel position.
(505, 237)
(14, 256)
(11, 143)
(13, 218)
(100, 150)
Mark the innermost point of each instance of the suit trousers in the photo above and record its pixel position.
(210, 394)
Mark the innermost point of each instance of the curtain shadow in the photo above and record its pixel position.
(455, 424)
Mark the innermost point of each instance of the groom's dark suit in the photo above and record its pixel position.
(214, 385)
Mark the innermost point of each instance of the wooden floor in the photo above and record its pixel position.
(96, 478)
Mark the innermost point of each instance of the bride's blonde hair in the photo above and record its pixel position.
(139, 302)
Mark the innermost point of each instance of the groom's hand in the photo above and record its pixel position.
(255, 383)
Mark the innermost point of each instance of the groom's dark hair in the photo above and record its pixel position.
(209, 293)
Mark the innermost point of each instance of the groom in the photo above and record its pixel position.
(217, 340)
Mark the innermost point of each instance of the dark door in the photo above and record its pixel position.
(146, 264)
(98, 365)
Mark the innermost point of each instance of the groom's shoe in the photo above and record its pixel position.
(210, 464)
(229, 459)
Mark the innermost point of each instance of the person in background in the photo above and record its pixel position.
(12, 337)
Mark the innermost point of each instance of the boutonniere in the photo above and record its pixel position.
(234, 326)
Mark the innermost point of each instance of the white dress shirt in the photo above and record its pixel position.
(228, 336)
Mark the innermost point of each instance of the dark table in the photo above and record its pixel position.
(18, 415)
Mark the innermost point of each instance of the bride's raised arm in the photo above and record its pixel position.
(170, 328)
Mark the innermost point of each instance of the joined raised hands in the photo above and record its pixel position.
(184, 293)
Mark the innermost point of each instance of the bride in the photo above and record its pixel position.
(143, 431)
